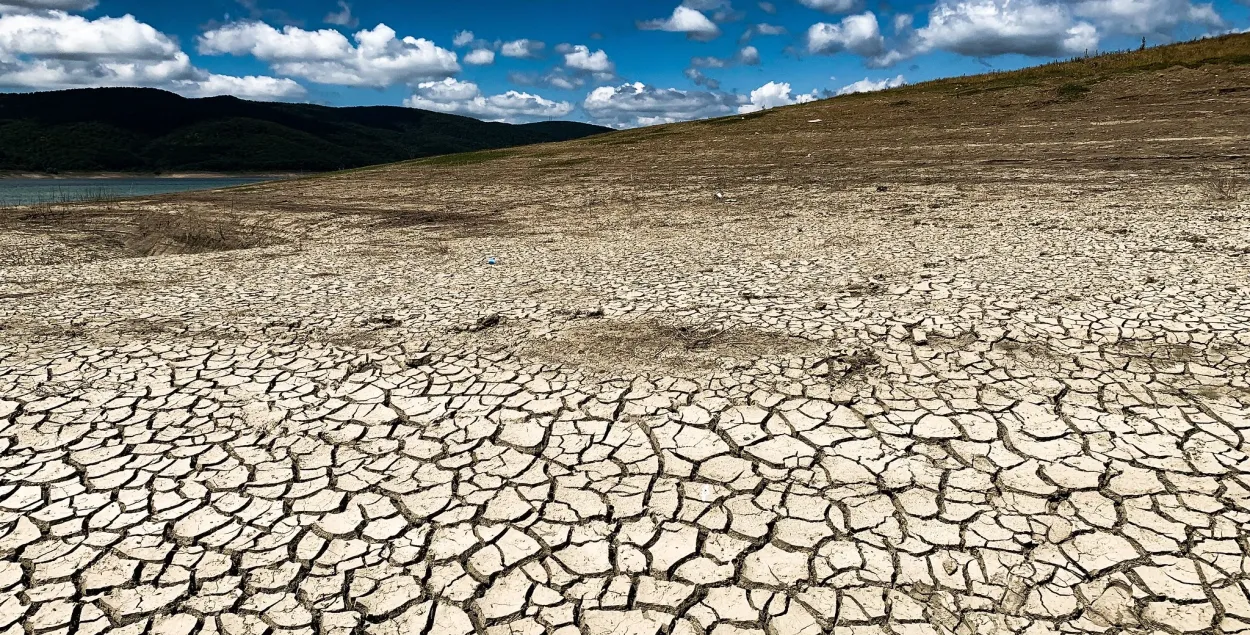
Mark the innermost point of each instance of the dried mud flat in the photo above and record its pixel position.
(964, 364)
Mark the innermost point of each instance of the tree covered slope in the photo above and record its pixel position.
(145, 130)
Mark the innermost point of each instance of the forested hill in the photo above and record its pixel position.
(149, 130)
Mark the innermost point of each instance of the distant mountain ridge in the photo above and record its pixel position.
(148, 130)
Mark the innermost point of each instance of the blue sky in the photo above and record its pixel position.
(617, 63)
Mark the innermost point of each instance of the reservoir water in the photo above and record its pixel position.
(20, 191)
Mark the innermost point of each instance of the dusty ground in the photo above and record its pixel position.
(933, 364)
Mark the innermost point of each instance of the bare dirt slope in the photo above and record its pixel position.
(965, 357)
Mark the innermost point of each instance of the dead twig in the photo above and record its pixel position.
(1223, 186)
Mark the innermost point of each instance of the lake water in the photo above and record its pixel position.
(33, 191)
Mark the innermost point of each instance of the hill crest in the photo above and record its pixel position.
(151, 130)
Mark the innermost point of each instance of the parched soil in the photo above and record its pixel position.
(968, 357)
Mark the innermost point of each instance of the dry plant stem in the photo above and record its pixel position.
(1224, 187)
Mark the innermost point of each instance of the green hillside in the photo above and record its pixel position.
(148, 130)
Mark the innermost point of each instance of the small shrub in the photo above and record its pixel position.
(439, 248)
(1072, 91)
(1223, 187)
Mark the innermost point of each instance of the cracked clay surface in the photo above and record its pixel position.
(931, 408)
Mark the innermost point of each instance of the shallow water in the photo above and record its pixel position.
(33, 191)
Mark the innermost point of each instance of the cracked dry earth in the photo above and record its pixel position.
(807, 407)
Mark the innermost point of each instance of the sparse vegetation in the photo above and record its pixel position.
(631, 180)
(49, 201)
(1072, 91)
(847, 364)
(699, 336)
(192, 232)
(439, 248)
(732, 119)
(630, 137)
(561, 163)
(1228, 50)
(1223, 186)
(467, 158)
(106, 219)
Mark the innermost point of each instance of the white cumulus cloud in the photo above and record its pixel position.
(686, 20)
(342, 17)
(466, 98)
(523, 48)
(378, 58)
(581, 58)
(720, 10)
(695, 75)
(480, 57)
(638, 104)
(1147, 17)
(463, 38)
(772, 95)
(60, 35)
(264, 42)
(448, 90)
(831, 6)
(746, 56)
(866, 85)
(54, 50)
(985, 28)
(1050, 28)
(860, 34)
(27, 6)
(558, 77)
(249, 87)
(762, 28)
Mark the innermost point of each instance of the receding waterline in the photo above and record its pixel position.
(19, 191)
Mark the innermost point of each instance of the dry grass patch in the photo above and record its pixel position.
(467, 158)
(1223, 187)
(614, 346)
(462, 221)
(1228, 50)
(157, 233)
(128, 232)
